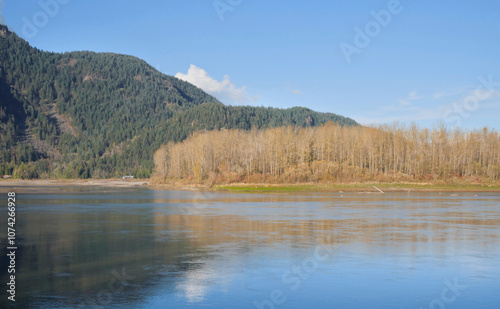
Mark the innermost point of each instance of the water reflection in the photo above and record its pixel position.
(129, 248)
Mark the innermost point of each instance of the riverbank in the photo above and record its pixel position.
(75, 182)
(259, 187)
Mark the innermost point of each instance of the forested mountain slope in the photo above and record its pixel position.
(86, 114)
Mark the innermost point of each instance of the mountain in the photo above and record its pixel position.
(86, 114)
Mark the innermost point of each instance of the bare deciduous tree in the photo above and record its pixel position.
(333, 153)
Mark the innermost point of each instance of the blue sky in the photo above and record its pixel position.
(424, 61)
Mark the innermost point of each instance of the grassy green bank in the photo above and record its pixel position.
(359, 187)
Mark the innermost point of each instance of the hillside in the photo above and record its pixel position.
(86, 114)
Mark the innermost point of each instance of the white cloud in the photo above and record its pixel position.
(223, 90)
(407, 112)
(2, 19)
(416, 114)
(412, 96)
(443, 94)
(293, 90)
(405, 104)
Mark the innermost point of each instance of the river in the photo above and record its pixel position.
(89, 247)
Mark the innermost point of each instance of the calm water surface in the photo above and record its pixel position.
(141, 248)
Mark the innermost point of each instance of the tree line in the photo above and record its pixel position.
(332, 153)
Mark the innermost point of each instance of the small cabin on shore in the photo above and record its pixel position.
(7, 176)
(128, 177)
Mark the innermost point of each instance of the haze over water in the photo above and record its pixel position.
(141, 248)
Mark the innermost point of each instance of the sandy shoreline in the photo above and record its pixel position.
(77, 182)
